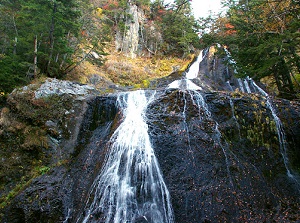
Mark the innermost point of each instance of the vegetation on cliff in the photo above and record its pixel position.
(55, 38)
(85, 41)
(264, 40)
(68, 37)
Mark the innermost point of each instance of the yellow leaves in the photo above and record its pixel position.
(187, 63)
(99, 12)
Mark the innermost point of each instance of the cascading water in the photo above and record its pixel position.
(192, 73)
(241, 86)
(187, 85)
(218, 152)
(280, 132)
(194, 68)
(245, 87)
(130, 187)
(201, 104)
(184, 84)
(229, 86)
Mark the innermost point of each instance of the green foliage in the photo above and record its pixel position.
(179, 29)
(55, 24)
(38, 171)
(70, 32)
(12, 73)
(41, 170)
(262, 38)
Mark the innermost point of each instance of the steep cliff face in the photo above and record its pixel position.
(224, 155)
(39, 128)
(222, 159)
(139, 36)
(212, 73)
(130, 39)
(57, 195)
(218, 152)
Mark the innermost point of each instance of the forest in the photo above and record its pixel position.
(52, 37)
(137, 111)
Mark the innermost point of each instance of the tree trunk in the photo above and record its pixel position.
(16, 37)
(283, 80)
(35, 57)
(51, 35)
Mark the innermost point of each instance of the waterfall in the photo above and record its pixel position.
(201, 104)
(247, 86)
(130, 186)
(184, 84)
(280, 132)
(194, 68)
(241, 85)
(192, 73)
(230, 60)
(229, 85)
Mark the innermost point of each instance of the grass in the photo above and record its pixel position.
(37, 171)
(125, 71)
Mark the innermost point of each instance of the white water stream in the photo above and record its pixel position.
(245, 87)
(280, 133)
(186, 83)
(130, 187)
(194, 68)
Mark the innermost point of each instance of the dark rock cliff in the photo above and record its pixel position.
(218, 151)
(220, 164)
(226, 167)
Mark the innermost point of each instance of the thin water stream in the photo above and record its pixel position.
(245, 87)
(130, 187)
(186, 84)
(280, 134)
(194, 68)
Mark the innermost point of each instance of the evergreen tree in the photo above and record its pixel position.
(12, 72)
(53, 23)
(265, 42)
(36, 35)
(179, 28)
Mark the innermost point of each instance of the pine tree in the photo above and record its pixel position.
(179, 29)
(12, 72)
(265, 43)
(52, 23)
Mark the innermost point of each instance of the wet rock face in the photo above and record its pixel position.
(219, 154)
(60, 194)
(225, 166)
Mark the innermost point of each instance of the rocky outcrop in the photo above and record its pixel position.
(139, 36)
(213, 73)
(222, 161)
(39, 131)
(219, 150)
(59, 194)
(219, 154)
(59, 87)
(131, 39)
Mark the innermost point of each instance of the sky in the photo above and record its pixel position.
(202, 8)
